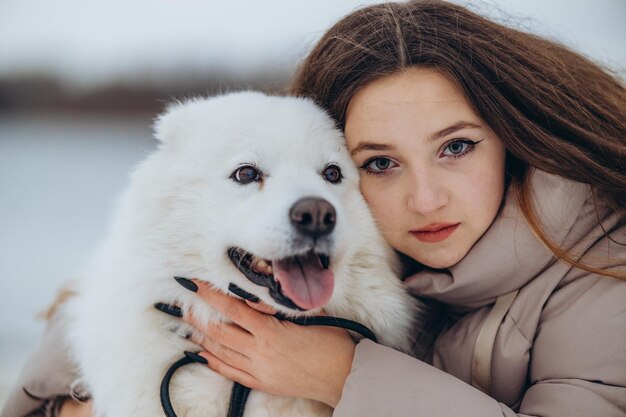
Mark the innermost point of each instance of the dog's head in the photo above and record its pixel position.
(260, 187)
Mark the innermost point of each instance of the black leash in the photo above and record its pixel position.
(166, 402)
(239, 394)
(238, 398)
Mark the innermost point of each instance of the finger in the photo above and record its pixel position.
(228, 356)
(232, 308)
(204, 339)
(261, 307)
(229, 335)
(230, 372)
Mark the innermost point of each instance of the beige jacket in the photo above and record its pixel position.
(559, 350)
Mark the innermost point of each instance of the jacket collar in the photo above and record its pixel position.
(508, 255)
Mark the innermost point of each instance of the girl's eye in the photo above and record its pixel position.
(378, 165)
(459, 148)
(246, 174)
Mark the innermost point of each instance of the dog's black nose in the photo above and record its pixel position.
(313, 216)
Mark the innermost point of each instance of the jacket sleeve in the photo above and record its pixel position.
(578, 357)
(384, 382)
(48, 375)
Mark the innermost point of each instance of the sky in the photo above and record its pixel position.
(89, 43)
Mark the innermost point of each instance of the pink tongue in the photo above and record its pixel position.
(304, 280)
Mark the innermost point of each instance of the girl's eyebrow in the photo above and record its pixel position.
(451, 129)
(371, 146)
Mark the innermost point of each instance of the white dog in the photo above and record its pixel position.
(244, 189)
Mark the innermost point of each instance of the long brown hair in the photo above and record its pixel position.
(553, 108)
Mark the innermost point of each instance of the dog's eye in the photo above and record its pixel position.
(246, 174)
(332, 174)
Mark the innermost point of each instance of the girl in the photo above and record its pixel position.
(493, 161)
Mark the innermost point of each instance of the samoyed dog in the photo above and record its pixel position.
(244, 189)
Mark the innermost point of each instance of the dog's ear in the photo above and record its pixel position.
(169, 126)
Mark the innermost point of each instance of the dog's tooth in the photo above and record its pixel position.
(269, 270)
(258, 265)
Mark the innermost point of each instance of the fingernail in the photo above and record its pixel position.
(243, 293)
(169, 309)
(188, 284)
(196, 358)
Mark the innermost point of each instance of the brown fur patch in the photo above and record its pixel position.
(62, 296)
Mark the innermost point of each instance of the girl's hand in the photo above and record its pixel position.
(277, 357)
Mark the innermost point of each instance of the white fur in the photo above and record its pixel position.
(177, 218)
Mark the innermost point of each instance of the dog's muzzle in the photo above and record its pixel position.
(301, 282)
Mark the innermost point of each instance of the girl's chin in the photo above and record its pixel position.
(438, 259)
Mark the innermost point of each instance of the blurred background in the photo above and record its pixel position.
(81, 81)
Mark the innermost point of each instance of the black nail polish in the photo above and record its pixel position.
(243, 293)
(169, 309)
(188, 284)
(196, 358)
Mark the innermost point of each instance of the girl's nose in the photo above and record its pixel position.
(426, 194)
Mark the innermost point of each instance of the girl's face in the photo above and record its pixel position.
(431, 170)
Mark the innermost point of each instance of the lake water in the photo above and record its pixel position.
(59, 178)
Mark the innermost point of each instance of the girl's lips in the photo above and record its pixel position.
(435, 232)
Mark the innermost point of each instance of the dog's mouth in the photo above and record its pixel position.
(301, 282)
